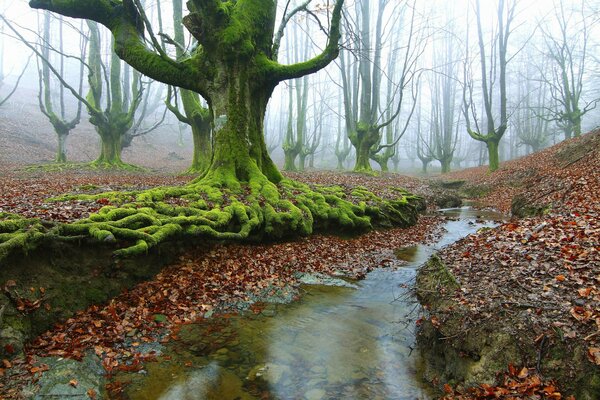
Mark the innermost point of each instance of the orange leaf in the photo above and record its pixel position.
(7, 364)
(73, 382)
(448, 389)
(560, 278)
(91, 394)
(584, 292)
(524, 373)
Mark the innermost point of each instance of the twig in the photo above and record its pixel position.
(540, 354)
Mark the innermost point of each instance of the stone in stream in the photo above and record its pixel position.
(70, 379)
(315, 394)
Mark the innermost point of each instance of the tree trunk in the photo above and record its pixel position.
(110, 152)
(290, 155)
(61, 153)
(493, 155)
(202, 148)
(239, 104)
(363, 140)
(424, 167)
(446, 165)
(301, 161)
(362, 157)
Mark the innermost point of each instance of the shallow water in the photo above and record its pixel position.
(334, 343)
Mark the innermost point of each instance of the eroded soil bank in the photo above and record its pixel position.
(526, 293)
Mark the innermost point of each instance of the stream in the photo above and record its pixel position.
(336, 342)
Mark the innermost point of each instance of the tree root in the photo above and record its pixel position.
(217, 209)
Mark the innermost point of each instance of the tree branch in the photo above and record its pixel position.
(129, 41)
(281, 72)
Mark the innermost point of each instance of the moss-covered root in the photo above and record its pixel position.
(18, 233)
(219, 210)
(255, 210)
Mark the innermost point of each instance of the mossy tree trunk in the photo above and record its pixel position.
(61, 152)
(363, 139)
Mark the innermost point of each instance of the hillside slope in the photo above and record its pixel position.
(528, 291)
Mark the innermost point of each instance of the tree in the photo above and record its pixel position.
(530, 121)
(366, 118)
(62, 126)
(195, 114)
(295, 136)
(444, 119)
(112, 101)
(493, 70)
(567, 52)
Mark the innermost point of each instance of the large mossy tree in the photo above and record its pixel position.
(242, 194)
(233, 68)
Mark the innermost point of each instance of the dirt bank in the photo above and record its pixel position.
(526, 293)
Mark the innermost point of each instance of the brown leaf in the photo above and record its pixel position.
(594, 355)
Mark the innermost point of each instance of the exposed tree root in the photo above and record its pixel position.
(216, 208)
(90, 166)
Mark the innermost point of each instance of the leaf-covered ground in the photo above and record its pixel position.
(210, 278)
(545, 270)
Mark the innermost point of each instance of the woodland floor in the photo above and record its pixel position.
(549, 263)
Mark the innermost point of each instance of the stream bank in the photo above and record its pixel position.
(528, 291)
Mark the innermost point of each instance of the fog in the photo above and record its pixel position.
(424, 60)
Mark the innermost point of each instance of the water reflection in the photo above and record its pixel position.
(334, 343)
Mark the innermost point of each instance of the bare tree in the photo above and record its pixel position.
(567, 51)
(56, 113)
(493, 63)
(365, 118)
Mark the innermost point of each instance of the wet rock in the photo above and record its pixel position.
(322, 279)
(315, 394)
(70, 379)
(271, 373)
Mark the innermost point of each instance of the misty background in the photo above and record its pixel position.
(413, 68)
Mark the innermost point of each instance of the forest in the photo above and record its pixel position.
(300, 199)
